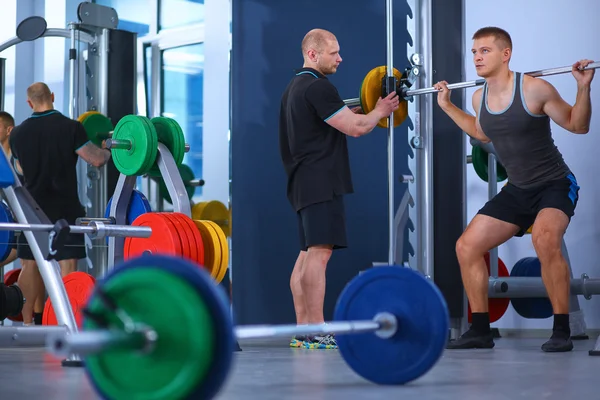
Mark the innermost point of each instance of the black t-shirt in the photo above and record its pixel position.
(314, 154)
(45, 145)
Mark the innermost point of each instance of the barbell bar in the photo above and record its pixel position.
(126, 145)
(94, 229)
(391, 324)
(406, 94)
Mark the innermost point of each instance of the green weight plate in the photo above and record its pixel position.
(186, 175)
(183, 355)
(140, 132)
(151, 160)
(480, 164)
(170, 134)
(96, 123)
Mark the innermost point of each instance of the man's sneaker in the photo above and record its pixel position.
(472, 340)
(558, 342)
(320, 342)
(297, 341)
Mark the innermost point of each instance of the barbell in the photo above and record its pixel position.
(159, 327)
(134, 140)
(374, 86)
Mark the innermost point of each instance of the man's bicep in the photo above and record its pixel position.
(555, 107)
(325, 99)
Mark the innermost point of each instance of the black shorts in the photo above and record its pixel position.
(323, 224)
(521, 206)
(74, 248)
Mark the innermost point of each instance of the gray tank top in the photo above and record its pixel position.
(523, 140)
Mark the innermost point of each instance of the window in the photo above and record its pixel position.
(182, 91)
(177, 13)
(134, 15)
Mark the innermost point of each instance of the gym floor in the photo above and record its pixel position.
(514, 369)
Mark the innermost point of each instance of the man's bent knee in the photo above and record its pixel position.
(321, 252)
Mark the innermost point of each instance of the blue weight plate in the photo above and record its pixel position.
(138, 205)
(423, 321)
(7, 238)
(216, 302)
(530, 308)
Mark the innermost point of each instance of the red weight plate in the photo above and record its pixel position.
(192, 247)
(197, 239)
(184, 235)
(163, 240)
(10, 278)
(497, 306)
(79, 287)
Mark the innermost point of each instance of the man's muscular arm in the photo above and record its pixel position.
(575, 119)
(468, 123)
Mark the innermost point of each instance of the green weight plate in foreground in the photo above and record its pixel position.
(186, 175)
(141, 156)
(170, 134)
(480, 164)
(94, 124)
(183, 355)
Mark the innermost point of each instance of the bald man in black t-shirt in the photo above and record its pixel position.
(46, 147)
(314, 123)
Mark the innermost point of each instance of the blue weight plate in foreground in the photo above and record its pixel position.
(423, 323)
(7, 238)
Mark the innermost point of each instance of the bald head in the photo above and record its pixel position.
(39, 94)
(317, 40)
(321, 51)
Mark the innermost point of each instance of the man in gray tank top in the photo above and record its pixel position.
(514, 111)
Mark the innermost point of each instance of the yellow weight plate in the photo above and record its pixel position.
(224, 250)
(212, 211)
(197, 210)
(212, 248)
(86, 114)
(370, 92)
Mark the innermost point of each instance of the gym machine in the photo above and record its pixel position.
(90, 89)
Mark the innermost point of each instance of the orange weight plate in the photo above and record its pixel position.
(212, 258)
(370, 92)
(184, 236)
(79, 287)
(10, 278)
(224, 250)
(195, 238)
(496, 306)
(163, 240)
